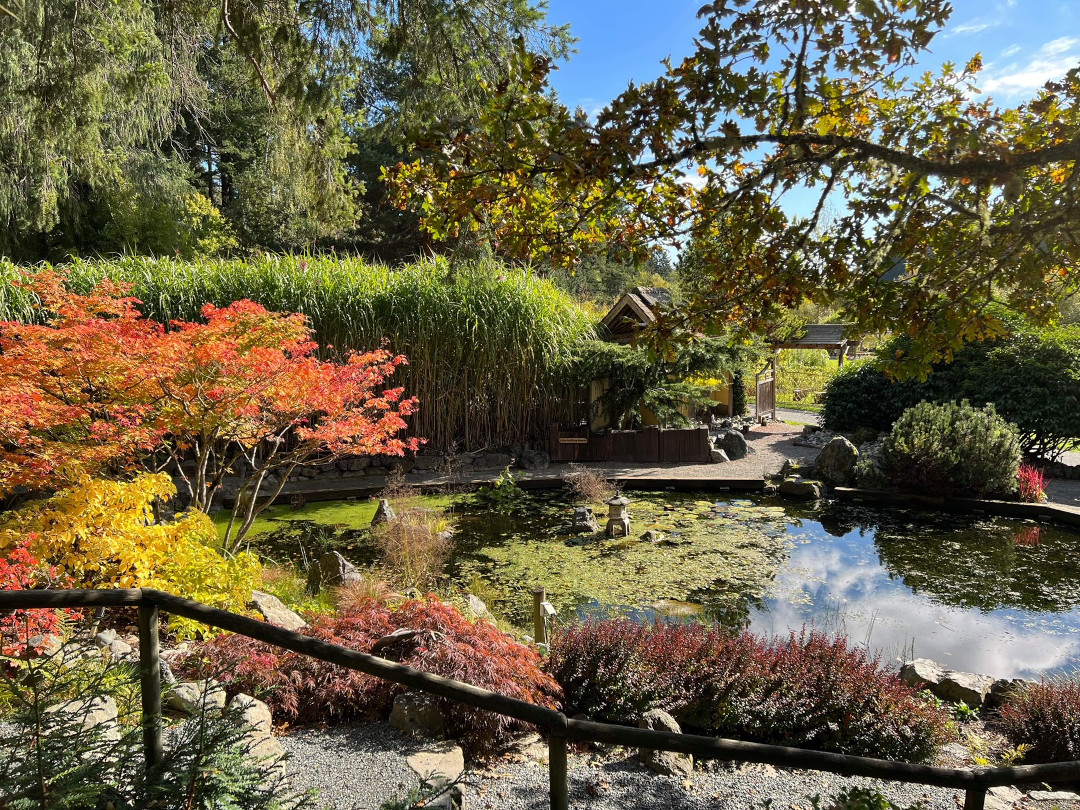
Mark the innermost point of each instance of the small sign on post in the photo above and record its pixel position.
(543, 610)
(539, 625)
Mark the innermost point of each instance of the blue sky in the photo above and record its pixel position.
(1023, 43)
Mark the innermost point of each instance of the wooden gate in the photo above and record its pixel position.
(650, 445)
(765, 398)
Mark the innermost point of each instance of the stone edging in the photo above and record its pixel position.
(1014, 509)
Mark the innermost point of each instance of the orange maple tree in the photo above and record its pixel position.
(96, 388)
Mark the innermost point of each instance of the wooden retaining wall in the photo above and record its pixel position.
(651, 445)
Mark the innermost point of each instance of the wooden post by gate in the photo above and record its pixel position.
(765, 398)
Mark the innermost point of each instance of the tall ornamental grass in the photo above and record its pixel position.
(487, 345)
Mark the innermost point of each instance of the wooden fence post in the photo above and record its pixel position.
(557, 767)
(539, 620)
(150, 683)
(975, 798)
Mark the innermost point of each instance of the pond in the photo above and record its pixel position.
(974, 593)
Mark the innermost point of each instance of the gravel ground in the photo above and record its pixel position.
(352, 767)
(359, 767)
(606, 784)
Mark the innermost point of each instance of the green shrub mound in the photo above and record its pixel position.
(1046, 717)
(1032, 378)
(809, 691)
(952, 449)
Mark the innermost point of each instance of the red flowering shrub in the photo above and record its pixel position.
(809, 691)
(1046, 717)
(303, 690)
(20, 570)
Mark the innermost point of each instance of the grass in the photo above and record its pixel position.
(487, 344)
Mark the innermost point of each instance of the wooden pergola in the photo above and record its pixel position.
(827, 336)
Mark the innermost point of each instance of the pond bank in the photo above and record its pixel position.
(770, 446)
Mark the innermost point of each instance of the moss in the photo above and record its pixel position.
(719, 556)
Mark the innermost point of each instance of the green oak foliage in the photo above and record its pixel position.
(931, 199)
(115, 113)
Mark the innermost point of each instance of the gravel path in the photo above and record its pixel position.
(355, 766)
(360, 767)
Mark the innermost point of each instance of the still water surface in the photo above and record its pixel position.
(978, 594)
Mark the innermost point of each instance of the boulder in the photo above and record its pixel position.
(947, 684)
(97, 712)
(494, 461)
(417, 713)
(584, 520)
(265, 749)
(798, 488)
(835, 464)
(921, 673)
(429, 463)
(383, 514)
(534, 460)
(968, 687)
(1000, 690)
(117, 648)
(791, 468)
(718, 456)
(273, 611)
(733, 443)
(652, 536)
(104, 639)
(332, 571)
(439, 763)
(252, 713)
(191, 697)
(667, 763)
(1003, 797)
(476, 605)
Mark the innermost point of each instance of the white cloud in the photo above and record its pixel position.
(1059, 46)
(842, 583)
(975, 26)
(1050, 62)
(1012, 50)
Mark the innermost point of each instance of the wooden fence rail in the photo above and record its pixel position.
(974, 781)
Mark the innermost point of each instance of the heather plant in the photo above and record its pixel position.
(300, 689)
(808, 691)
(952, 449)
(1045, 717)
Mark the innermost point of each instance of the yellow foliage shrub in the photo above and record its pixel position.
(102, 534)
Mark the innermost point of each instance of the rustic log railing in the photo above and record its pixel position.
(973, 781)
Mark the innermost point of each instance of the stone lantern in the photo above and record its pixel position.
(618, 524)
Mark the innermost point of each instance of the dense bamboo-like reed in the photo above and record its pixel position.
(487, 345)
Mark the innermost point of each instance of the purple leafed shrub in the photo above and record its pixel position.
(808, 690)
(300, 689)
(1045, 716)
